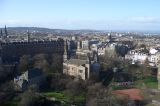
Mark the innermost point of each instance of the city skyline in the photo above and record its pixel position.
(84, 14)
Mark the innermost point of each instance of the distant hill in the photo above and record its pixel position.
(39, 29)
(31, 29)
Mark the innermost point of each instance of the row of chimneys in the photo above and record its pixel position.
(5, 30)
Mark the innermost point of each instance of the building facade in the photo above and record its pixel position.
(30, 77)
(11, 52)
(77, 68)
(153, 56)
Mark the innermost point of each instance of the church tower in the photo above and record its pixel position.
(65, 55)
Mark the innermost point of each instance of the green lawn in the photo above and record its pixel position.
(150, 105)
(13, 102)
(149, 82)
(58, 95)
(79, 100)
(61, 96)
(118, 87)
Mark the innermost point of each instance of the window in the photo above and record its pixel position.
(80, 71)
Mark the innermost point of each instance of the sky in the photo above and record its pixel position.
(81, 14)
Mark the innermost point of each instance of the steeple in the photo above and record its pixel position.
(95, 55)
(110, 37)
(28, 36)
(6, 33)
(65, 55)
(78, 45)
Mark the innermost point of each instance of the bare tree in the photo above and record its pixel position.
(40, 61)
(24, 63)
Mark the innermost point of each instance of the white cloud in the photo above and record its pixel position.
(10, 22)
(144, 19)
(17, 23)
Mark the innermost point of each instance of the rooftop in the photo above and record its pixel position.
(77, 62)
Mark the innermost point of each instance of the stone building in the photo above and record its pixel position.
(30, 77)
(141, 55)
(110, 49)
(77, 68)
(137, 56)
(83, 63)
(11, 52)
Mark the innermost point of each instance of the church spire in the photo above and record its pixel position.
(28, 36)
(65, 55)
(65, 46)
(6, 33)
(78, 45)
(110, 37)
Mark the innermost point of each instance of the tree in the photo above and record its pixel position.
(142, 46)
(111, 62)
(7, 92)
(121, 50)
(24, 64)
(75, 87)
(3, 75)
(58, 81)
(98, 95)
(57, 63)
(40, 61)
(32, 98)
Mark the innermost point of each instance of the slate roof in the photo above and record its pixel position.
(77, 62)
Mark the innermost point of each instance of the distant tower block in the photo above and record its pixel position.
(158, 76)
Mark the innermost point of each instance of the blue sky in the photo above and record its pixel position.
(82, 14)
